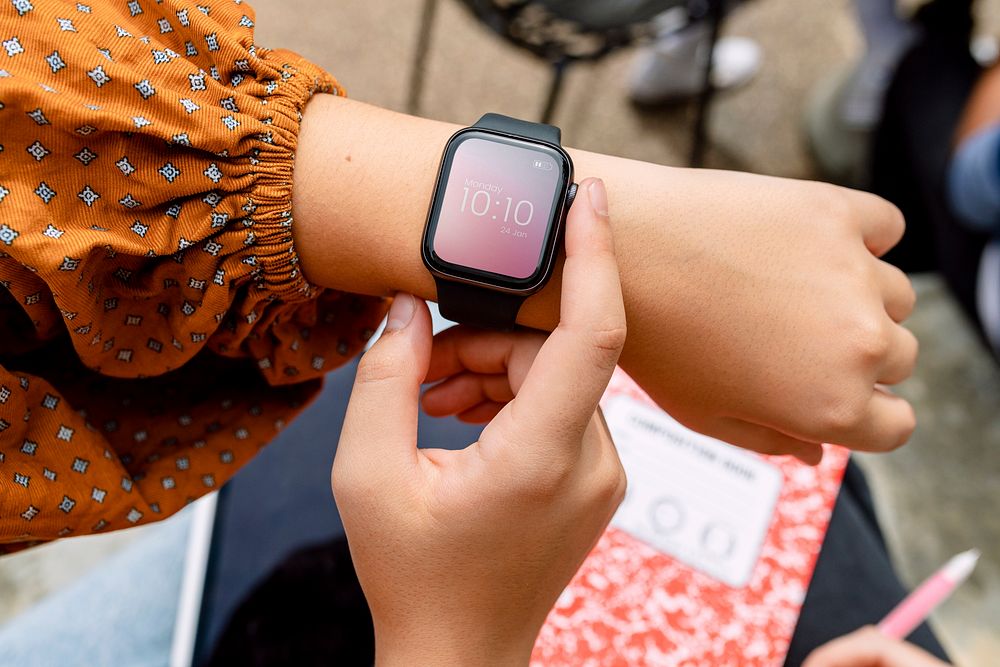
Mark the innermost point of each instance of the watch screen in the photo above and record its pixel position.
(497, 206)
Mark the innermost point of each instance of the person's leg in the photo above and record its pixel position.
(120, 613)
(854, 583)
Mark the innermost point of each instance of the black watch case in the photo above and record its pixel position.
(560, 207)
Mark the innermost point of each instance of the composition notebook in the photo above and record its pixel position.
(707, 560)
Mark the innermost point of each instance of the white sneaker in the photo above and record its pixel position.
(671, 69)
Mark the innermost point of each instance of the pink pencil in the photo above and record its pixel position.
(918, 605)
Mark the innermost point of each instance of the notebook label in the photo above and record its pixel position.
(699, 500)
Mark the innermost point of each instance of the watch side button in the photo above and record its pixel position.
(570, 194)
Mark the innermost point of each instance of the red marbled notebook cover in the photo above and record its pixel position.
(631, 604)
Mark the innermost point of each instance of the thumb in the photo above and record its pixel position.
(574, 366)
(381, 420)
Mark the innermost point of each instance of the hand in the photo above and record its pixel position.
(462, 554)
(868, 647)
(765, 317)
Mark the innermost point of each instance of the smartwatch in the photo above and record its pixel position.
(496, 218)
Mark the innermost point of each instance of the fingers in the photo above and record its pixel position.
(768, 441)
(901, 358)
(461, 348)
(887, 423)
(891, 423)
(897, 291)
(482, 413)
(899, 299)
(464, 391)
(611, 478)
(381, 420)
(867, 647)
(882, 224)
(574, 366)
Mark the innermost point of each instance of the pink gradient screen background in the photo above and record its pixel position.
(479, 242)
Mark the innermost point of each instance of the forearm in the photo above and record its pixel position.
(363, 181)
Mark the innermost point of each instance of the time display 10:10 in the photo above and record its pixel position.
(479, 204)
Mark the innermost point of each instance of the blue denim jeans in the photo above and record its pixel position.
(119, 613)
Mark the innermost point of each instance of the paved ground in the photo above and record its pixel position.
(937, 496)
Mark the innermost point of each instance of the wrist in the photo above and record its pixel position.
(461, 648)
(362, 180)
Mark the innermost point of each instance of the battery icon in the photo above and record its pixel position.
(544, 165)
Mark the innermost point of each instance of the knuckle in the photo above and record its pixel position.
(872, 342)
(549, 479)
(907, 426)
(618, 485)
(875, 349)
(606, 487)
(608, 341)
(895, 220)
(611, 337)
(621, 490)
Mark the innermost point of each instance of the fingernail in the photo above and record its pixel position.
(598, 197)
(401, 312)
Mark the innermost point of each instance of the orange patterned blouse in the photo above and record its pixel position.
(155, 330)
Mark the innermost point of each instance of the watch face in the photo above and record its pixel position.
(496, 208)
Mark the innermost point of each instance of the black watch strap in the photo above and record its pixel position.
(494, 121)
(477, 306)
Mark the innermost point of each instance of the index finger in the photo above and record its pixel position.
(882, 223)
(575, 364)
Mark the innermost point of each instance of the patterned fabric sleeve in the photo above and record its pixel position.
(155, 328)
